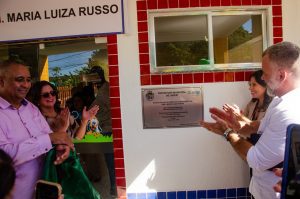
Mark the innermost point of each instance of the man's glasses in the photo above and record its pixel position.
(46, 95)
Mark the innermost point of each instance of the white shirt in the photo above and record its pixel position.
(269, 150)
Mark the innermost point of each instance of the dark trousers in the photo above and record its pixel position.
(109, 159)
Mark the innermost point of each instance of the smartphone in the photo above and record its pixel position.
(47, 190)
(291, 164)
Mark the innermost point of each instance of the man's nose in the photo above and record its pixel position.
(26, 84)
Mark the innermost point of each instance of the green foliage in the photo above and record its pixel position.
(181, 53)
(238, 37)
(73, 79)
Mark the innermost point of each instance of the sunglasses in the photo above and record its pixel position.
(46, 95)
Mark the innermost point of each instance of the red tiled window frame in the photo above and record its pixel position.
(146, 78)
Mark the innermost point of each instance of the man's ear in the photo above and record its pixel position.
(282, 74)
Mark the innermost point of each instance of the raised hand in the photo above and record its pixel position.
(87, 115)
(234, 109)
(232, 120)
(227, 117)
(235, 112)
(217, 127)
(63, 120)
(237, 121)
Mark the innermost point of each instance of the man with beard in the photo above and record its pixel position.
(281, 72)
(24, 133)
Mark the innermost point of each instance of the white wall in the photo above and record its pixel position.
(290, 20)
(174, 158)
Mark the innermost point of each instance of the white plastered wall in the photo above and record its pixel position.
(290, 20)
(174, 158)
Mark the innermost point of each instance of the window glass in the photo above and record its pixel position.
(67, 65)
(237, 39)
(207, 40)
(181, 40)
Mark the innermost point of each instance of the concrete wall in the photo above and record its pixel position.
(290, 20)
(181, 158)
(174, 158)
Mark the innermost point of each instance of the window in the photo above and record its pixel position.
(207, 40)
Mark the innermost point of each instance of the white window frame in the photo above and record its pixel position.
(267, 35)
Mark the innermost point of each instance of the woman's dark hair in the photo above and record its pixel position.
(79, 95)
(267, 98)
(89, 94)
(100, 72)
(7, 174)
(34, 94)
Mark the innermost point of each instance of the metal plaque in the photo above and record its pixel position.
(172, 107)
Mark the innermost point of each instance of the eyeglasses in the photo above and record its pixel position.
(46, 95)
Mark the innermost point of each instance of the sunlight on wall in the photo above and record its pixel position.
(140, 183)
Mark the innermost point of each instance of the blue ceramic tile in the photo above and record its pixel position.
(131, 196)
(221, 193)
(231, 192)
(241, 192)
(181, 194)
(161, 195)
(151, 196)
(211, 194)
(191, 194)
(201, 194)
(141, 196)
(171, 195)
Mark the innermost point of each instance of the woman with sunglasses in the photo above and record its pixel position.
(45, 96)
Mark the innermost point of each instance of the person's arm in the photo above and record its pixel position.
(25, 150)
(249, 128)
(269, 150)
(239, 144)
(36, 137)
(63, 120)
(81, 130)
(86, 116)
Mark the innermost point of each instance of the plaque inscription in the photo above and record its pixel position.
(172, 107)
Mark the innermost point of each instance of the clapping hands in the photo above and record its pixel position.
(220, 125)
(230, 116)
(233, 116)
(63, 120)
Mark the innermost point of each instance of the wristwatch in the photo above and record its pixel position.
(226, 133)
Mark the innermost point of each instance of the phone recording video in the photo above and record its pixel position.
(47, 190)
(291, 166)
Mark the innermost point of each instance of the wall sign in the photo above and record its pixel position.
(39, 19)
(172, 107)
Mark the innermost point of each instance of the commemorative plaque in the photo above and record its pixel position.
(172, 107)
